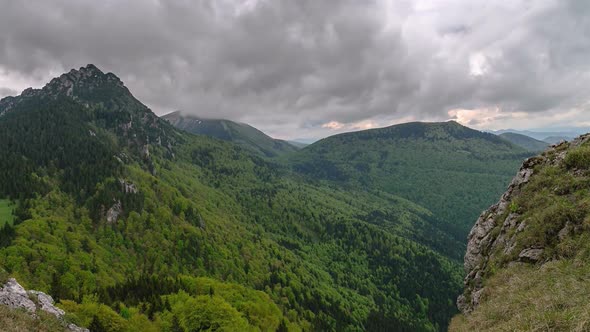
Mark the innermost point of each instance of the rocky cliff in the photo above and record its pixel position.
(532, 222)
(13, 295)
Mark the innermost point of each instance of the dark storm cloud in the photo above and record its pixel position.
(310, 68)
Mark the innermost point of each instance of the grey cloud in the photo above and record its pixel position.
(290, 66)
(7, 92)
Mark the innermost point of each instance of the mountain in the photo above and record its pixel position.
(133, 225)
(542, 134)
(452, 170)
(240, 133)
(298, 144)
(525, 142)
(528, 253)
(556, 139)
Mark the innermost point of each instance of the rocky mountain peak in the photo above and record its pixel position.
(75, 84)
(86, 77)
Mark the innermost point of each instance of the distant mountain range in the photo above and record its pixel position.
(525, 142)
(239, 133)
(550, 137)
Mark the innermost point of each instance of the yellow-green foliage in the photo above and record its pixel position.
(16, 320)
(83, 314)
(207, 313)
(256, 306)
(553, 297)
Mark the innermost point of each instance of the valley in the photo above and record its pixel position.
(130, 224)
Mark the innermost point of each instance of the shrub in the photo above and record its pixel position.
(578, 158)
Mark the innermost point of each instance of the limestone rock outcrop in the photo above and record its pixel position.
(496, 229)
(13, 295)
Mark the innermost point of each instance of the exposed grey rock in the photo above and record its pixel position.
(13, 295)
(145, 152)
(45, 303)
(75, 328)
(128, 187)
(114, 212)
(565, 231)
(531, 254)
(482, 240)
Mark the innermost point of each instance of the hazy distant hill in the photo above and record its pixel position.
(525, 142)
(556, 139)
(542, 135)
(239, 133)
(298, 144)
(452, 170)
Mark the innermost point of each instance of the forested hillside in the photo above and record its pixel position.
(454, 171)
(132, 225)
(525, 142)
(242, 134)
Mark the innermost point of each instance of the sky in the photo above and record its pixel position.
(309, 68)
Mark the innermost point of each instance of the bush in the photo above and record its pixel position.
(578, 158)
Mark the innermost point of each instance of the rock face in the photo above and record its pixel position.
(114, 212)
(496, 228)
(13, 295)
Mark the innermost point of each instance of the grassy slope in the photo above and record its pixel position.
(552, 296)
(20, 321)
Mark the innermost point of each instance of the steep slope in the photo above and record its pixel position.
(528, 254)
(132, 225)
(525, 142)
(450, 169)
(240, 133)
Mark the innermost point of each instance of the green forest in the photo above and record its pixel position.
(133, 225)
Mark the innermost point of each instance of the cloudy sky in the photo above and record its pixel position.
(309, 68)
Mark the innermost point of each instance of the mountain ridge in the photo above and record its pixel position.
(240, 133)
(525, 142)
(115, 202)
(434, 164)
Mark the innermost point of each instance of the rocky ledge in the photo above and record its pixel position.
(13, 295)
(497, 228)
